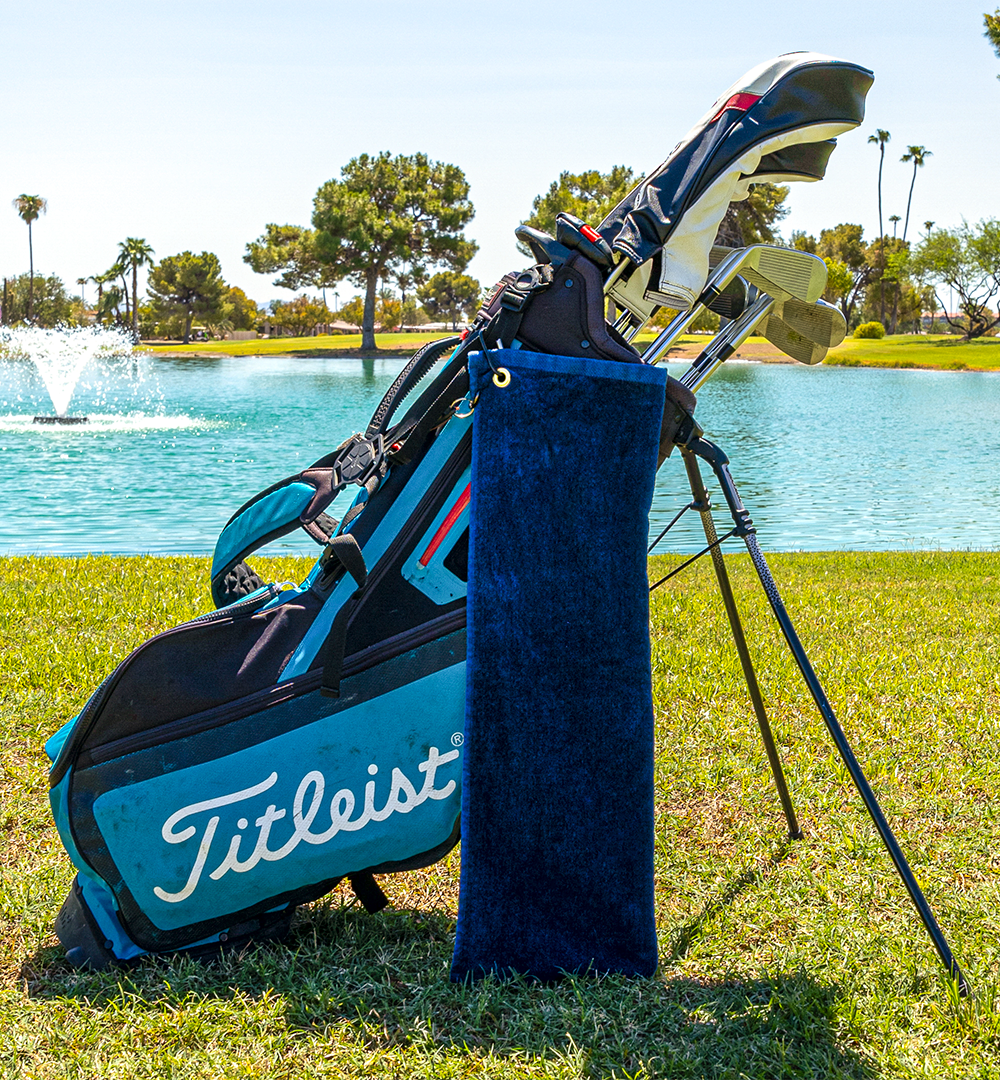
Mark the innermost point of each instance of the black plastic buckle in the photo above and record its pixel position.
(530, 281)
(361, 459)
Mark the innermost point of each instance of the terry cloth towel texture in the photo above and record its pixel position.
(557, 798)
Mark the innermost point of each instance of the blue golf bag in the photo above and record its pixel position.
(243, 763)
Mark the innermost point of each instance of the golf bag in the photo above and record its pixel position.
(245, 762)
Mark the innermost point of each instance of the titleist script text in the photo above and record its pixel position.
(403, 797)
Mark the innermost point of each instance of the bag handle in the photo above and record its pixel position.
(298, 501)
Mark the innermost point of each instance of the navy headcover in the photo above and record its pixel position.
(557, 804)
(797, 99)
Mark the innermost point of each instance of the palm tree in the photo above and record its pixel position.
(28, 208)
(881, 138)
(134, 252)
(928, 225)
(918, 155)
(100, 280)
(895, 219)
(82, 282)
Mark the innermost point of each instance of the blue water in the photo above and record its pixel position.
(824, 457)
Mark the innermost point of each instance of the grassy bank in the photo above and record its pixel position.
(939, 351)
(900, 351)
(777, 959)
(321, 345)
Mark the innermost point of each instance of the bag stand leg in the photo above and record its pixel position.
(703, 506)
(744, 528)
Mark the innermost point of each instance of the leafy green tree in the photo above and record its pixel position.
(881, 137)
(191, 285)
(409, 276)
(389, 312)
(134, 252)
(754, 220)
(383, 211)
(244, 314)
(109, 306)
(918, 155)
(448, 295)
(28, 208)
(290, 249)
(967, 260)
(388, 209)
(300, 316)
(589, 195)
(353, 312)
(803, 241)
(839, 281)
(992, 33)
(102, 281)
(40, 300)
(845, 245)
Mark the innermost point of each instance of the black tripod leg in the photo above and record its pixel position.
(719, 462)
(701, 503)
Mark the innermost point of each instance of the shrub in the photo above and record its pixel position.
(870, 330)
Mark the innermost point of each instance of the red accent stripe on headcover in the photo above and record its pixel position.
(737, 101)
(453, 515)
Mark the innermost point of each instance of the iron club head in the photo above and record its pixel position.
(790, 341)
(820, 322)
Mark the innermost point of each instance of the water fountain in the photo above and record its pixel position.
(60, 357)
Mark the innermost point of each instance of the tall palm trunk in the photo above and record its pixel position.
(135, 300)
(909, 198)
(881, 238)
(31, 277)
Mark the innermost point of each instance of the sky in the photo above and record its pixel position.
(194, 124)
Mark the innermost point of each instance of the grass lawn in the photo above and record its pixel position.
(778, 959)
(919, 351)
(322, 345)
(900, 351)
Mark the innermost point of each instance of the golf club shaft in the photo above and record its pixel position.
(725, 343)
(718, 279)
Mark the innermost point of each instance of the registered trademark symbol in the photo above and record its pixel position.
(457, 739)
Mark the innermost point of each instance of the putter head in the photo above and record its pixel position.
(790, 341)
(820, 322)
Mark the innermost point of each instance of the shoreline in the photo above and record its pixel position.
(903, 351)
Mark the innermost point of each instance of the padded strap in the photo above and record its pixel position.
(299, 501)
(342, 551)
(296, 502)
(420, 364)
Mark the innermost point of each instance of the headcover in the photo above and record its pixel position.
(777, 123)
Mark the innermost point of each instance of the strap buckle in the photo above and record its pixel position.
(361, 459)
(528, 282)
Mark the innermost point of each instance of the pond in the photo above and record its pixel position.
(825, 457)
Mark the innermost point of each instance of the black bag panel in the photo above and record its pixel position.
(200, 666)
(567, 318)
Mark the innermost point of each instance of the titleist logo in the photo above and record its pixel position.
(403, 797)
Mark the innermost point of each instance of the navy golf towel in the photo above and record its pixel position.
(557, 797)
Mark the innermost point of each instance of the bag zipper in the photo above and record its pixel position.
(299, 686)
(89, 713)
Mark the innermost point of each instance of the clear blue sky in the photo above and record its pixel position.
(193, 124)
